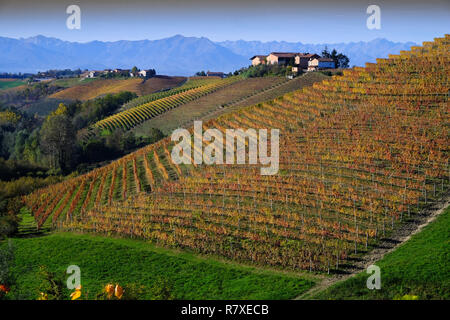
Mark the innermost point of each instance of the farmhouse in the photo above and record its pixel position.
(93, 74)
(143, 73)
(320, 63)
(123, 72)
(280, 57)
(257, 60)
(302, 59)
(299, 61)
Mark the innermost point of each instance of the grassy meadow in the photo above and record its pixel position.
(140, 264)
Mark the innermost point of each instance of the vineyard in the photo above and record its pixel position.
(213, 104)
(94, 88)
(161, 103)
(189, 84)
(273, 93)
(359, 155)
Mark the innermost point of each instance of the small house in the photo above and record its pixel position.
(146, 73)
(93, 74)
(320, 63)
(257, 60)
(302, 59)
(280, 57)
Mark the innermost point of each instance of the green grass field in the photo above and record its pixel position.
(419, 267)
(132, 262)
(10, 84)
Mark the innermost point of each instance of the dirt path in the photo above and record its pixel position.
(400, 236)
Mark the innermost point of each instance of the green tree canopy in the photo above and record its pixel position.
(58, 138)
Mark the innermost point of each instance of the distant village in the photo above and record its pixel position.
(299, 61)
(119, 72)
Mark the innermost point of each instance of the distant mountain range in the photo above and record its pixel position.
(177, 55)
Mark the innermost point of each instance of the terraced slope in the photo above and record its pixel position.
(129, 118)
(359, 154)
(187, 85)
(211, 105)
(99, 87)
(305, 80)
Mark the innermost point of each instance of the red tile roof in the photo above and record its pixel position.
(284, 54)
(257, 56)
(310, 55)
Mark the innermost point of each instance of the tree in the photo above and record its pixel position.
(134, 70)
(326, 53)
(58, 138)
(340, 60)
(200, 74)
(150, 73)
(333, 54)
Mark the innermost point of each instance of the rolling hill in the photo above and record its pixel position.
(140, 113)
(210, 105)
(99, 87)
(242, 93)
(10, 83)
(359, 155)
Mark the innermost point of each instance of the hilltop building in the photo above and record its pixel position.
(299, 61)
(259, 59)
(302, 59)
(320, 63)
(280, 58)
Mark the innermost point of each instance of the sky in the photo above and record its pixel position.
(265, 20)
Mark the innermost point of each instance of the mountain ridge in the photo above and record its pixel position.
(176, 55)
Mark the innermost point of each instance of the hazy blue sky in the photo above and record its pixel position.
(308, 22)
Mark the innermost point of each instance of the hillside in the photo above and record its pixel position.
(131, 262)
(93, 89)
(10, 83)
(211, 105)
(359, 154)
(163, 102)
(297, 83)
(227, 99)
(417, 268)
